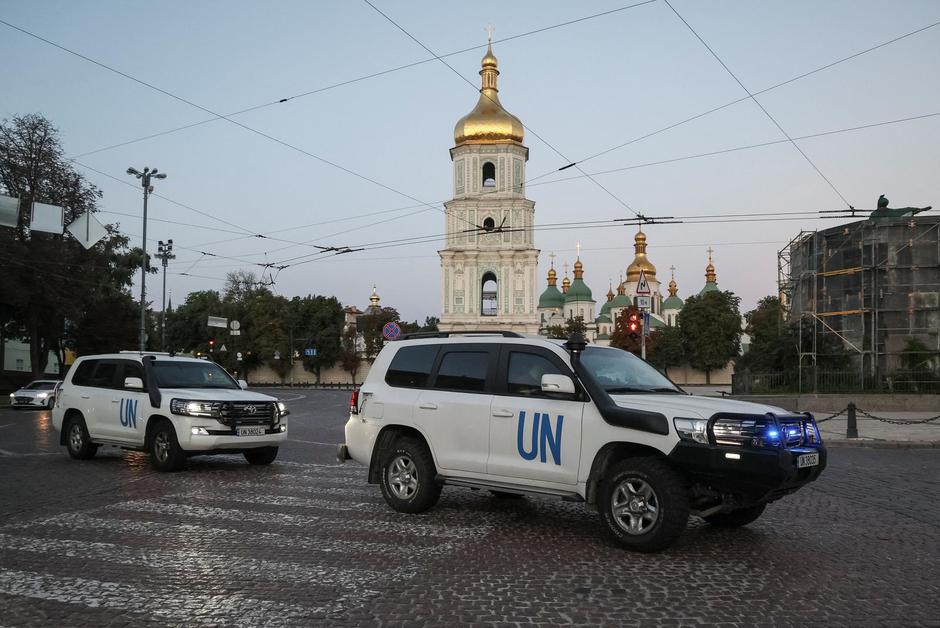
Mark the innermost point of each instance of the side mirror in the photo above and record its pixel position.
(557, 384)
(243, 384)
(134, 383)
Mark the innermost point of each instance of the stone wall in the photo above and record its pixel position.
(298, 376)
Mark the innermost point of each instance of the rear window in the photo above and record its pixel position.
(83, 373)
(463, 370)
(411, 366)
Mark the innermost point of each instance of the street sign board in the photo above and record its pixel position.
(643, 302)
(277, 355)
(646, 324)
(391, 331)
(9, 211)
(642, 286)
(235, 332)
(234, 325)
(238, 356)
(217, 321)
(310, 352)
(222, 348)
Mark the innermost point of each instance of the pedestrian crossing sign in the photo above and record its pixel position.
(642, 286)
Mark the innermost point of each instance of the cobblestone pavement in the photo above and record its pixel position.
(307, 542)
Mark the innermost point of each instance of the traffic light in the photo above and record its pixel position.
(211, 345)
(634, 326)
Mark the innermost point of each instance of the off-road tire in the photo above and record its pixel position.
(77, 441)
(656, 492)
(165, 451)
(736, 518)
(408, 476)
(261, 455)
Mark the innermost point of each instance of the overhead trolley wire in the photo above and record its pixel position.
(758, 103)
(496, 103)
(357, 79)
(743, 98)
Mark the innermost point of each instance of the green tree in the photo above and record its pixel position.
(667, 350)
(319, 325)
(623, 338)
(711, 330)
(350, 358)
(572, 325)
(370, 326)
(50, 284)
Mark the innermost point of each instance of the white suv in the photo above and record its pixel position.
(170, 406)
(518, 415)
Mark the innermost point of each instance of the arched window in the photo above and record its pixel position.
(488, 300)
(489, 175)
(489, 224)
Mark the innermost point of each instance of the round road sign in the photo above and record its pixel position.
(391, 331)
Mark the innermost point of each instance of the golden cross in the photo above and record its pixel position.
(710, 254)
(552, 255)
(673, 269)
(578, 247)
(566, 268)
(489, 32)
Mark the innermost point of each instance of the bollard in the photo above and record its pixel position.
(851, 427)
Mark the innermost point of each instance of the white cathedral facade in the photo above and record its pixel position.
(489, 261)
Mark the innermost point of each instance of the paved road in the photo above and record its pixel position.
(307, 542)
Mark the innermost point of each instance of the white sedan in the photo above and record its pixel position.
(38, 394)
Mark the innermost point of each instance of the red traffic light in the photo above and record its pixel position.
(211, 343)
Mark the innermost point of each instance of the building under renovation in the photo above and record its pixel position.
(874, 284)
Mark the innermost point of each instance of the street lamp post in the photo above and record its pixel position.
(164, 254)
(144, 177)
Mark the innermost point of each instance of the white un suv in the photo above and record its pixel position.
(170, 406)
(518, 415)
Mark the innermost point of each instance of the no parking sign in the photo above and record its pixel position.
(391, 331)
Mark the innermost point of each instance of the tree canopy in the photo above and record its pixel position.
(710, 325)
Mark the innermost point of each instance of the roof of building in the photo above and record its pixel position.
(578, 291)
(488, 122)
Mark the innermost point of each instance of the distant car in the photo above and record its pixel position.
(38, 394)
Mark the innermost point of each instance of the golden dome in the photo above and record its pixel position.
(710, 276)
(488, 123)
(374, 299)
(640, 261)
(565, 284)
(673, 288)
(610, 293)
(552, 276)
(578, 269)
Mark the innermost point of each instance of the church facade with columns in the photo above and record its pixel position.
(489, 262)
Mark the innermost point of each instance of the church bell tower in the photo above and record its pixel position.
(489, 261)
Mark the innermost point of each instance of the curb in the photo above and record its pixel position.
(881, 444)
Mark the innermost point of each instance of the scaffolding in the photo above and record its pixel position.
(872, 284)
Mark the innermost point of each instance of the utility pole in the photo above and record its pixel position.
(144, 177)
(164, 254)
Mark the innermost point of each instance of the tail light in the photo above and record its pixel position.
(354, 402)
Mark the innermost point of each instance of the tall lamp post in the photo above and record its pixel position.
(164, 254)
(144, 177)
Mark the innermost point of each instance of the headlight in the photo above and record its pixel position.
(186, 407)
(692, 430)
(42, 395)
(12, 395)
(282, 409)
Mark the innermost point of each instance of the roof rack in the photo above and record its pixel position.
(146, 352)
(448, 334)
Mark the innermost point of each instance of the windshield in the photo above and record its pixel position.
(618, 371)
(192, 375)
(41, 386)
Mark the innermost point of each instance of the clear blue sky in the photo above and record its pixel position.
(584, 88)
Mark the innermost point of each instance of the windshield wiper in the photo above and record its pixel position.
(666, 390)
(624, 389)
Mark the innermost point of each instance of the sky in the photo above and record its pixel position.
(583, 88)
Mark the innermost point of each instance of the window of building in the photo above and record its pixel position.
(411, 366)
(489, 224)
(489, 175)
(463, 370)
(489, 305)
(525, 373)
(19, 364)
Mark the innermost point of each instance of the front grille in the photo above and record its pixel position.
(22, 399)
(247, 413)
(757, 432)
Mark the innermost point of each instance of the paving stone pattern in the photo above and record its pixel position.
(109, 542)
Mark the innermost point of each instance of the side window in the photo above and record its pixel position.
(525, 373)
(463, 370)
(104, 375)
(411, 366)
(131, 369)
(84, 372)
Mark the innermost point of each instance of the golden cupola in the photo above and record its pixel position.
(488, 123)
(640, 261)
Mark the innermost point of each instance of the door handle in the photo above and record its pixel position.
(115, 401)
(428, 406)
(503, 413)
(86, 396)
